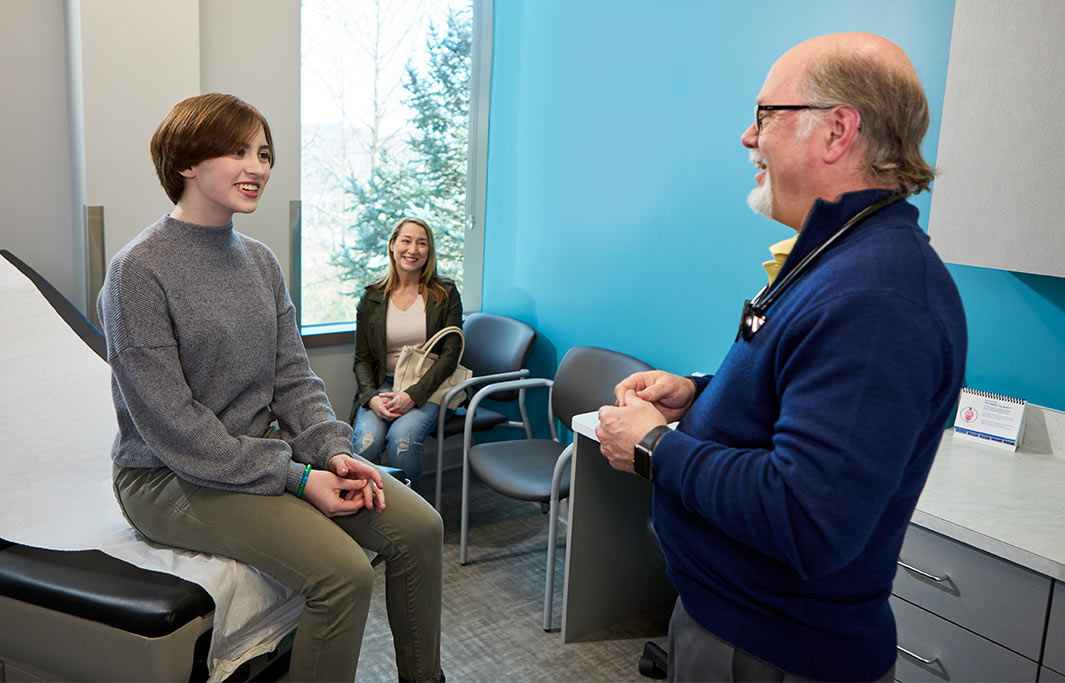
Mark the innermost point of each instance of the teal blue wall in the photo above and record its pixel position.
(617, 186)
(1016, 333)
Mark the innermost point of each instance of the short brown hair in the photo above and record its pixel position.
(894, 114)
(199, 128)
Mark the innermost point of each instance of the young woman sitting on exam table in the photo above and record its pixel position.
(205, 355)
(406, 307)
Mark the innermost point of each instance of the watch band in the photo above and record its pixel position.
(641, 454)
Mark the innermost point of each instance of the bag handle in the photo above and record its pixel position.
(431, 342)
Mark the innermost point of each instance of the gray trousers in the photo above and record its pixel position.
(321, 558)
(695, 654)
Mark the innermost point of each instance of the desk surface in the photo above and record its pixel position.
(585, 425)
(1008, 504)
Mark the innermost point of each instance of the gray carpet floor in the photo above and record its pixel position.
(493, 606)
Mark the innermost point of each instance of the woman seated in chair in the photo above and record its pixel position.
(205, 354)
(404, 308)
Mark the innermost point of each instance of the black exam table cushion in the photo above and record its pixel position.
(98, 587)
(89, 583)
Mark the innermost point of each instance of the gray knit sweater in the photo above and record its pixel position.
(204, 353)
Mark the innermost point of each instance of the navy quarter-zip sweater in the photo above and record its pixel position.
(782, 498)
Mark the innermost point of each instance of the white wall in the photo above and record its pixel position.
(137, 60)
(36, 189)
(140, 58)
(997, 204)
(333, 365)
(254, 53)
(84, 83)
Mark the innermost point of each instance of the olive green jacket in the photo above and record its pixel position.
(370, 344)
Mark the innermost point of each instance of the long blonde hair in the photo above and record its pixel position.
(429, 280)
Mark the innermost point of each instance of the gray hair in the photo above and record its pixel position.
(893, 109)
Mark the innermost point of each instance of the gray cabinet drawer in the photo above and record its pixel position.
(991, 596)
(1054, 653)
(955, 653)
(1050, 676)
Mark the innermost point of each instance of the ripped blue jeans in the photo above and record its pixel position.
(402, 437)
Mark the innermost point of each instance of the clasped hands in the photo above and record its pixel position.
(644, 400)
(389, 405)
(349, 485)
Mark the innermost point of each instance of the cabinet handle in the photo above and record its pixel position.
(915, 570)
(918, 657)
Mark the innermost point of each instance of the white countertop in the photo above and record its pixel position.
(1008, 504)
(585, 424)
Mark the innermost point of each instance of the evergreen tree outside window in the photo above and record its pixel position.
(385, 105)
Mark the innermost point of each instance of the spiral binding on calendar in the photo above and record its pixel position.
(990, 418)
(997, 397)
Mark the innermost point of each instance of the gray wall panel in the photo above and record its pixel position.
(997, 202)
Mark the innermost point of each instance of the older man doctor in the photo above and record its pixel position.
(782, 498)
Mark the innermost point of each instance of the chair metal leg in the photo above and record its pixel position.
(465, 527)
(524, 414)
(467, 443)
(441, 418)
(552, 534)
(440, 457)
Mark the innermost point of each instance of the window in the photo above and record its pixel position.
(387, 103)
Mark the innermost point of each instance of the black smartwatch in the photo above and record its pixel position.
(641, 454)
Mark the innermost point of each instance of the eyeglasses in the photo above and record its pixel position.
(759, 111)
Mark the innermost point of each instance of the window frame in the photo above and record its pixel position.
(329, 334)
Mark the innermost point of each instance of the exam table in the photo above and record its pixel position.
(84, 615)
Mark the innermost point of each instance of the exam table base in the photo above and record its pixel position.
(40, 644)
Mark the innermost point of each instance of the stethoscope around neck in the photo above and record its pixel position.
(755, 310)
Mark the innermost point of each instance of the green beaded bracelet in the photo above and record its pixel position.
(303, 482)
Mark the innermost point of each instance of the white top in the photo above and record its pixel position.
(403, 328)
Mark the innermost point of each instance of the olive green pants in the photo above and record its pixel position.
(321, 558)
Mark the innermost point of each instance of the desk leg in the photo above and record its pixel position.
(609, 575)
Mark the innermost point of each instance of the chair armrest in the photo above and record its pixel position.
(441, 416)
(471, 409)
(495, 377)
(511, 385)
(472, 382)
